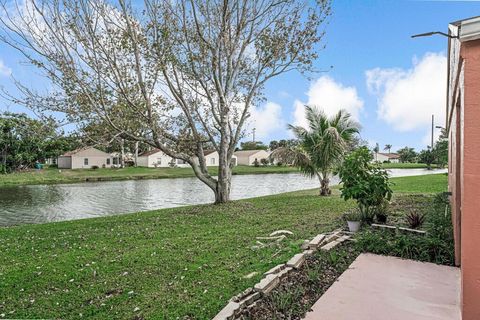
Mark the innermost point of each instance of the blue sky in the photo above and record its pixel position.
(364, 35)
(391, 82)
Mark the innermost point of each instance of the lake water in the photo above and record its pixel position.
(47, 203)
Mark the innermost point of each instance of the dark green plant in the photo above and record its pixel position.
(256, 163)
(364, 182)
(427, 157)
(415, 219)
(382, 211)
(407, 154)
(264, 162)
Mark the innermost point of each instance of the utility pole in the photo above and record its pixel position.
(253, 133)
(433, 126)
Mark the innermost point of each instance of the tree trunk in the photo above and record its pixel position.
(324, 185)
(224, 180)
(136, 152)
(122, 156)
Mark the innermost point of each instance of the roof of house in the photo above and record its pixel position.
(149, 153)
(153, 151)
(207, 152)
(73, 152)
(468, 29)
(390, 155)
(247, 153)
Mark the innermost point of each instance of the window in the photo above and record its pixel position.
(108, 161)
(212, 161)
(180, 161)
(85, 162)
(159, 161)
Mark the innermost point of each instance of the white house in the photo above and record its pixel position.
(248, 157)
(386, 157)
(84, 158)
(157, 158)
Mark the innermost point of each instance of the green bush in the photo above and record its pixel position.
(436, 246)
(364, 182)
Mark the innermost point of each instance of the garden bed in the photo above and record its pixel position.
(301, 288)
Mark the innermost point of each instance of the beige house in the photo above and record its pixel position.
(84, 158)
(247, 157)
(385, 157)
(158, 159)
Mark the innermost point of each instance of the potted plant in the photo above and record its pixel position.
(354, 220)
(381, 211)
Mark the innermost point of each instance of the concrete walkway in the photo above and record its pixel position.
(378, 288)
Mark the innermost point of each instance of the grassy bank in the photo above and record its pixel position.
(183, 262)
(53, 175)
(406, 165)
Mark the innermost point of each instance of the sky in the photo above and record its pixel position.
(390, 82)
(371, 67)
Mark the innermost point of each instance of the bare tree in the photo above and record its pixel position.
(188, 70)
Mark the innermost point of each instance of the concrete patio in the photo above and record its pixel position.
(378, 287)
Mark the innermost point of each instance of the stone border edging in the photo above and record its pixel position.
(249, 297)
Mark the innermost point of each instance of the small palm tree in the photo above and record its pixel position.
(322, 146)
(388, 147)
(376, 149)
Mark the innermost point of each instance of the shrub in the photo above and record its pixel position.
(256, 163)
(279, 164)
(94, 167)
(414, 219)
(365, 182)
(264, 162)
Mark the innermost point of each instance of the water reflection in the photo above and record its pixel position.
(45, 203)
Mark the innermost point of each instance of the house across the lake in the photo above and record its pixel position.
(248, 157)
(386, 157)
(84, 158)
(158, 159)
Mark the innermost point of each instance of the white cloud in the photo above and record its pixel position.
(408, 98)
(4, 70)
(330, 96)
(266, 120)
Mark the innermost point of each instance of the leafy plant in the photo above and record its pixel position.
(353, 215)
(415, 219)
(264, 162)
(382, 211)
(364, 182)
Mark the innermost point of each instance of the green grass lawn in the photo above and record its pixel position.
(405, 165)
(53, 175)
(183, 263)
(433, 183)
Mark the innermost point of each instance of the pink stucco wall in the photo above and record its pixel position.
(463, 122)
(470, 182)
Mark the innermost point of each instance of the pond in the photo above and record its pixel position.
(47, 203)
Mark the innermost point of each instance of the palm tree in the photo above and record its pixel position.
(388, 147)
(322, 145)
(376, 149)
